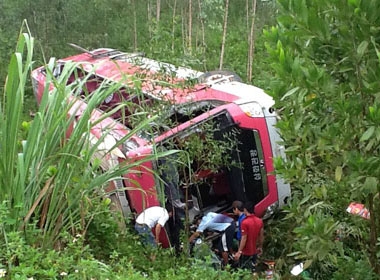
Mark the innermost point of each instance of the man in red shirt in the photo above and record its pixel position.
(252, 238)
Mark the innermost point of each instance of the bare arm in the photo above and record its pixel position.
(193, 236)
(260, 240)
(242, 242)
(241, 246)
(158, 231)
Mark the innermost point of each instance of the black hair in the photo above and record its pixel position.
(238, 204)
(250, 206)
(169, 207)
(197, 218)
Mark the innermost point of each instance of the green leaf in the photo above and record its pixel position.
(377, 50)
(370, 186)
(338, 173)
(305, 199)
(281, 56)
(354, 3)
(362, 48)
(307, 264)
(367, 134)
(290, 92)
(293, 254)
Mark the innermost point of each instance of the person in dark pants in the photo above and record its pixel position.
(217, 223)
(252, 238)
(175, 225)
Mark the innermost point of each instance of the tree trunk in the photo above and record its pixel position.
(373, 236)
(149, 20)
(248, 33)
(247, 16)
(203, 42)
(183, 29)
(134, 25)
(174, 24)
(251, 42)
(158, 11)
(224, 35)
(377, 225)
(190, 25)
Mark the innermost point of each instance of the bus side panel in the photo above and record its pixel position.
(259, 124)
(278, 151)
(141, 187)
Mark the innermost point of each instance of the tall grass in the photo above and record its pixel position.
(12, 168)
(48, 181)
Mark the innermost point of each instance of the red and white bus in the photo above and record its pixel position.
(217, 97)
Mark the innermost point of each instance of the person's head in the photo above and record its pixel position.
(249, 208)
(197, 219)
(169, 208)
(237, 207)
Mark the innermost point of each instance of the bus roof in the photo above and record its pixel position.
(119, 66)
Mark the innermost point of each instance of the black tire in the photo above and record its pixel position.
(214, 75)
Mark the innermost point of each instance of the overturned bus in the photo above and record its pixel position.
(188, 102)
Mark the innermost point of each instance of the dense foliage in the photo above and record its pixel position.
(325, 56)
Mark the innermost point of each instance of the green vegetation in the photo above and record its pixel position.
(321, 64)
(55, 220)
(326, 84)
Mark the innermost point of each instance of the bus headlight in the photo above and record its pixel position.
(270, 210)
(252, 109)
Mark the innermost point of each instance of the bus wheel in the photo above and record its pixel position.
(211, 76)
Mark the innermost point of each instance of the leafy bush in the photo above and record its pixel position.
(324, 57)
(354, 267)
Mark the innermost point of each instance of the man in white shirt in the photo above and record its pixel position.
(152, 217)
